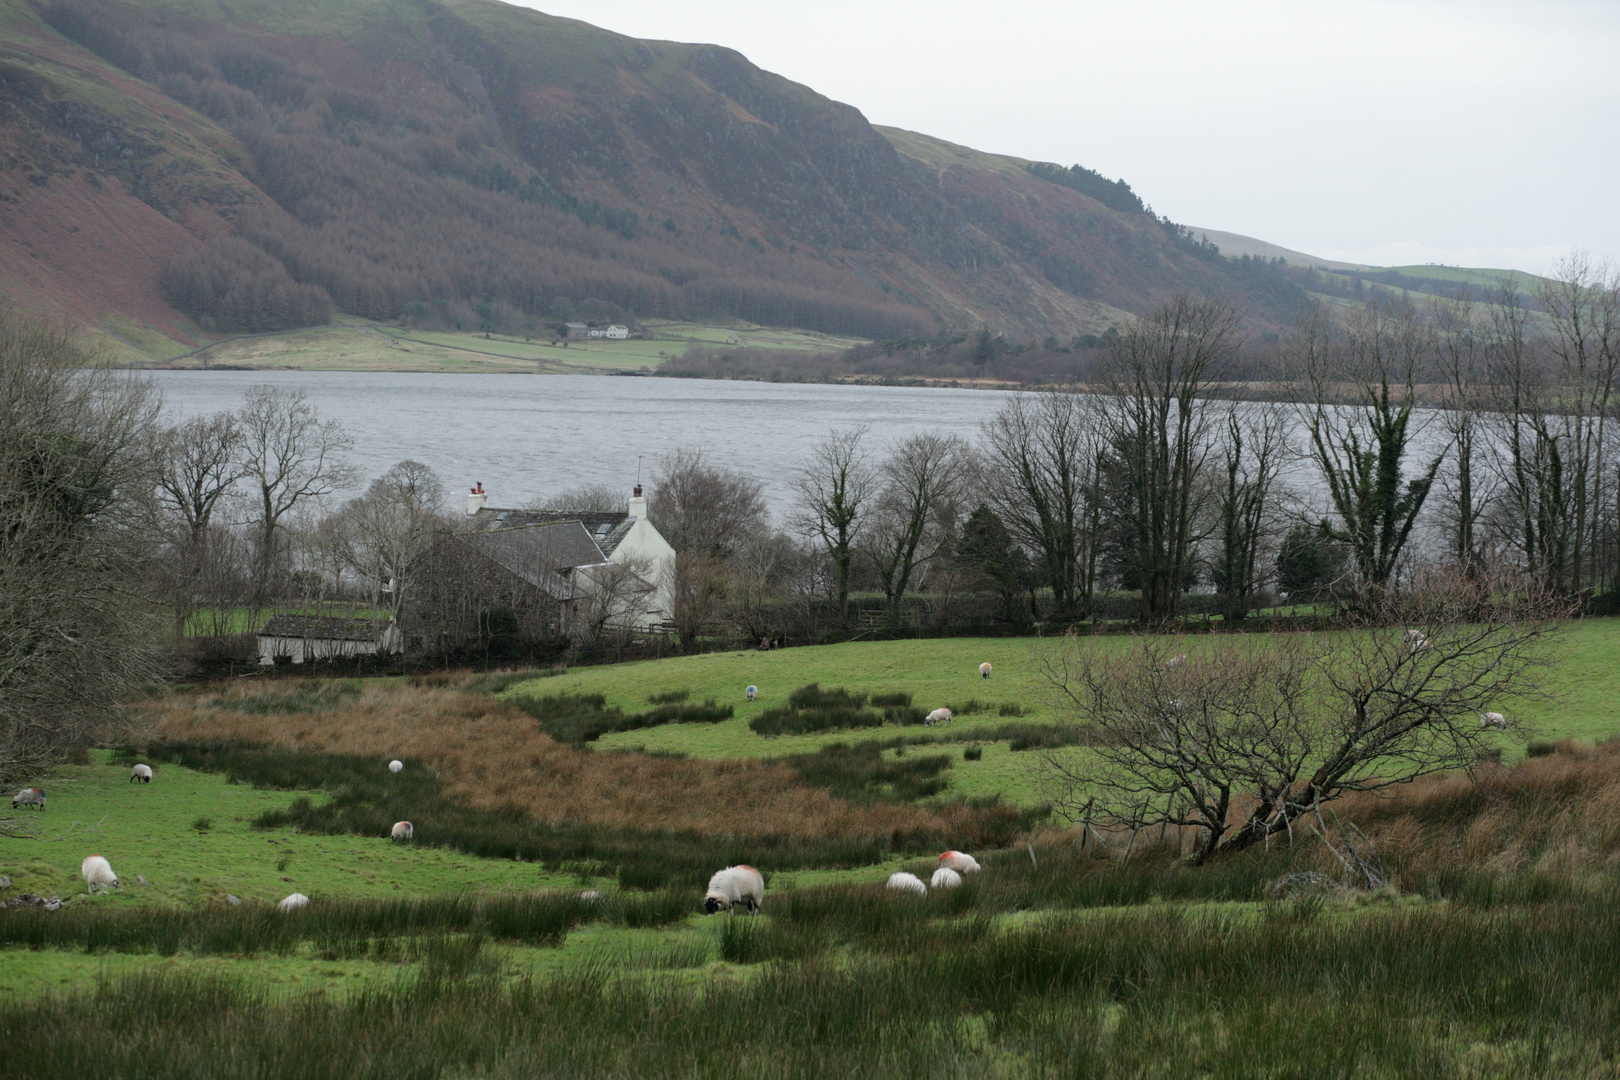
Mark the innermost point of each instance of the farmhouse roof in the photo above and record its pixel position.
(539, 553)
(323, 628)
(603, 530)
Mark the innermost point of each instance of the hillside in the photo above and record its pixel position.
(183, 169)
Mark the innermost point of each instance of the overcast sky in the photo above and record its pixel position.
(1466, 132)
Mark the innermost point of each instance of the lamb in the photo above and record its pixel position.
(98, 873)
(959, 861)
(293, 902)
(945, 878)
(904, 882)
(1493, 720)
(751, 692)
(143, 773)
(984, 669)
(395, 766)
(732, 886)
(29, 796)
(403, 830)
(938, 716)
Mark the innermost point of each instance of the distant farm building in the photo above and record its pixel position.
(614, 332)
(577, 330)
(297, 639)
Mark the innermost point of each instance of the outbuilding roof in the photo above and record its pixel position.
(605, 530)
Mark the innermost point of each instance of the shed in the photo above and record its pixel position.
(323, 637)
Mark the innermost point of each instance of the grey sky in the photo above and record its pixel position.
(1466, 132)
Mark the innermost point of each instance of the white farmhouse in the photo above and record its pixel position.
(302, 638)
(622, 540)
(614, 332)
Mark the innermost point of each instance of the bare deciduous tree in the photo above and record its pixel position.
(833, 489)
(1041, 454)
(923, 481)
(1462, 348)
(290, 457)
(698, 584)
(78, 531)
(702, 507)
(583, 499)
(1241, 737)
(1255, 449)
(1360, 383)
(1157, 419)
(389, 527)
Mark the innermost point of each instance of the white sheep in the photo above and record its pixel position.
(1417, 641)
(938, 716)
(591, 894)
(1176, 661)
(984, 669)
(293, 902)
(1493, 720)
(143, 773)
(751, 692)
(29, 796)
(732, 886)
(961, 862)
(403, 830)
(904, 882)
(98, 873)
(945, 878)
(395, 766)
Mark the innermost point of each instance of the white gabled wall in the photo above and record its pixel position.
(645, 543)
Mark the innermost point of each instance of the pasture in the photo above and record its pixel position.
(470, 952)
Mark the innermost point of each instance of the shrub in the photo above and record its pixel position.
(810, 708)
(973, 753)
(668, 697)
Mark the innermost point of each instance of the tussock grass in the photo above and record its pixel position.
(490, 756)
(812, 709)
(1432, 992)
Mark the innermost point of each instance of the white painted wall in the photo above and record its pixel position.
(647, 544)
(302, 649)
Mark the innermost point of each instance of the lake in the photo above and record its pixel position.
(528, 436)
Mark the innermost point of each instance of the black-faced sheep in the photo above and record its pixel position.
(938, 716)
(29, 796)
(1493, 720)
(961, 862)
(98, 873)
(143, 773)
(904, 882)
(751, 692)
(984, 669)
(732, 886)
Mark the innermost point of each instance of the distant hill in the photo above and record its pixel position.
(172, 170)
(1235, 244)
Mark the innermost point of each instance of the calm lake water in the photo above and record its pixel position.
(527, 436)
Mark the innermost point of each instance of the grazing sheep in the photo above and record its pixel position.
(403, 830)
(732, 886)
(959, 861)
(1493, 720)
(984, 669)
(395, 766)
(98, 873)
(938, 716)
(1176, 661)
(751, 692)
(590, 894)
(29, 796)
(143, 773)
(1417, 641)
(904, 882)
(293, 902)
(945, 878)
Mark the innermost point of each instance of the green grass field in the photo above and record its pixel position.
(1068, 964)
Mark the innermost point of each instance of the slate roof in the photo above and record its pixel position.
(605, 530)
(323, 628)
(539, 553)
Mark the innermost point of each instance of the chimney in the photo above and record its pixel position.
(477, 500)
(638, 505)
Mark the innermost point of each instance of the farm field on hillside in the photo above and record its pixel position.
(1583, 701)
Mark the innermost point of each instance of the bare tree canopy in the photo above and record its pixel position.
(1156, 419)
(78, 530)
(199, 463)
(922, 484)
(833, 489)
(1041, 456)
(583, 499)
(386, 530)
(1361, 387)
(1239, 737)
(290, 457)
(702, 507)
